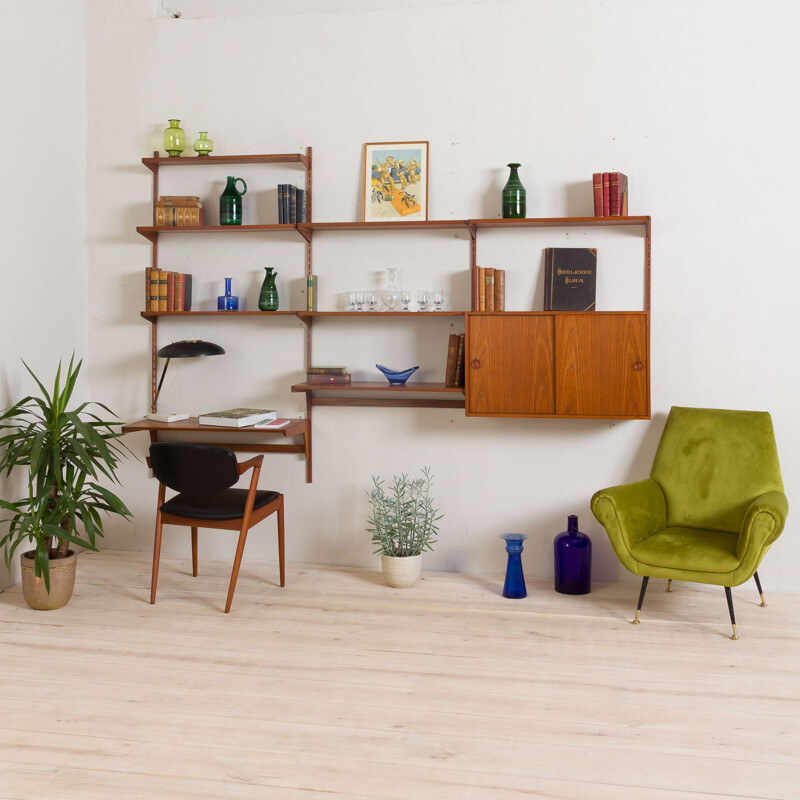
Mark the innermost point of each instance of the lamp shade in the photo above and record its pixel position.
(190, 348)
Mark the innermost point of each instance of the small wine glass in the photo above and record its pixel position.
(359, 298)
(423, 299)
(405, 299)
(371, 299)
(438, 300)
(351, 301)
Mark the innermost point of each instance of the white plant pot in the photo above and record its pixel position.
(401, 571)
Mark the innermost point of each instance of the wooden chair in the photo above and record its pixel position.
(203, 476)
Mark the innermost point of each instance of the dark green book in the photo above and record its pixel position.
(570, 278)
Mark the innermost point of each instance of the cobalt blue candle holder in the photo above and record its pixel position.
(573, 560)
(514, 586)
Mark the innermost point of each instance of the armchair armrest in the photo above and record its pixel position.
(762, 525)
(243, 466)
(629, 513)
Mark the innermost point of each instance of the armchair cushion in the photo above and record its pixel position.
(687, 550)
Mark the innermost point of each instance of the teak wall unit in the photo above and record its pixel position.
(518, 363)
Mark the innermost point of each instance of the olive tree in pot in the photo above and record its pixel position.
(403, 524)
(66, 453)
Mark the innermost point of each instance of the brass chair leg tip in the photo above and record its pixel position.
(635, 622)
(735, 637)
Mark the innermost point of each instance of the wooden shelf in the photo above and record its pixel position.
(151, 232)
(377, 386)
(151, 315)
(441, 224)
(557, 222)
(388, 396)
(308, 316)
(155, 162)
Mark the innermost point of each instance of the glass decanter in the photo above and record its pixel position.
(391, 294)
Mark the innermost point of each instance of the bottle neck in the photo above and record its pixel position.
(572, 523)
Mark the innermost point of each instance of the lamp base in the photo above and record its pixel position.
(167, 417)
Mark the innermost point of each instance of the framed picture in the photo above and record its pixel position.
(395, 181)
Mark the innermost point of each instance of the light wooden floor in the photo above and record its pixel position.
(338, 687)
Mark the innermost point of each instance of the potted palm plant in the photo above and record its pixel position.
(403, 524)
(66, 452)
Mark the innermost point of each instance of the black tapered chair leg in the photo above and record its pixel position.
(641, 599)
(760, 591)
(729, 598)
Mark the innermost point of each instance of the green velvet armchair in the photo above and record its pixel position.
(711, 508)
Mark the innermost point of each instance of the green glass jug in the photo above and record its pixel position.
(268, 298)
(230, 202)
(514, 195)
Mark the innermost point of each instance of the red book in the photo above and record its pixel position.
(617, 194)
(179, 289)
(170, 291)
(597, 188)
(606, 187)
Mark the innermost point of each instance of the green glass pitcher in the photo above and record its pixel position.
(230, 202)
(268, 298)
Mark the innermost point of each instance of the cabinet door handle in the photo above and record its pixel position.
(475, 364)
(638, 365)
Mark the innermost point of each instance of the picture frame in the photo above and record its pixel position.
(395, 181)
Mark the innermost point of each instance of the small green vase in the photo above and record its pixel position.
(268, 298)
(203, 146)
(513, 195)
(174, 138)
(230, 202)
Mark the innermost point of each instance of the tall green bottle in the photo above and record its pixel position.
(514, 195)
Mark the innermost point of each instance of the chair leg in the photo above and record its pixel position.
(761, 593)
(156, 558)
(194, 552)
(729, 598)
(641, 599)
(281, 551)
(669, 585)
(237, 561)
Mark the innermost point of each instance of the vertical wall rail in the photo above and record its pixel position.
(153, 363)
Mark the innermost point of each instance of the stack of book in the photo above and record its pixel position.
(491, 289)
(167, 291)
(454, 369)
(328, 376)
(178, 211)
(570, 278)
(610, 194)
(292, 205)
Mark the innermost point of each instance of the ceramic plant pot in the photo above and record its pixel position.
(401, 571)
(62, 582)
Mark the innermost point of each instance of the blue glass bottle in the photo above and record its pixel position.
(514, 586)
(227, 301)
(573, 560)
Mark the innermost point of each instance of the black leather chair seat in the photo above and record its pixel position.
(227, 504)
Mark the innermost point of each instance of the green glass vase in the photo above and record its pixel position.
(203, 146)
(513, 195)
(174, 138)
(230, 202)
(268, 297)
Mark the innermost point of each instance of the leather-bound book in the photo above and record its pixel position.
(452, 361)
(570, 278)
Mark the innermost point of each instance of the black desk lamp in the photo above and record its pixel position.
(193, 348)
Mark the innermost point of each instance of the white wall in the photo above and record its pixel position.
(43, 305)
(695, 102)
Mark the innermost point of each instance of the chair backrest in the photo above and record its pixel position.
(712, 463)
(193, 469)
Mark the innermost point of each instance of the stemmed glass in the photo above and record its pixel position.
(422, 299)
(405, 299)
(438, 300)
(359, 298)
(351, 301)
(371, 299)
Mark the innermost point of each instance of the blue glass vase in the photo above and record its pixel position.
(514, 586)
(227, 301)
(573, 560)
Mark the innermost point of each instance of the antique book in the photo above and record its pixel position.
(326, 371)
(171, 291)
(481, 289)
(460, 362)
(187, 292)
(617, 195)
(499, 289)
(178, 198)
(489, 290)
(161, 282)
(327, 379)
(452, 361)
(147, 271)
(302, 210)
(570, 275)
(165, 203)
(179, 289)
(237, 417)
(272, 424)
(606, 187)
(597, 189)
(311, 293)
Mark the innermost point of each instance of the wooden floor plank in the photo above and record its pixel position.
(339, 687)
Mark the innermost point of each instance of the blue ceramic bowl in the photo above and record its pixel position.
(397, 377)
